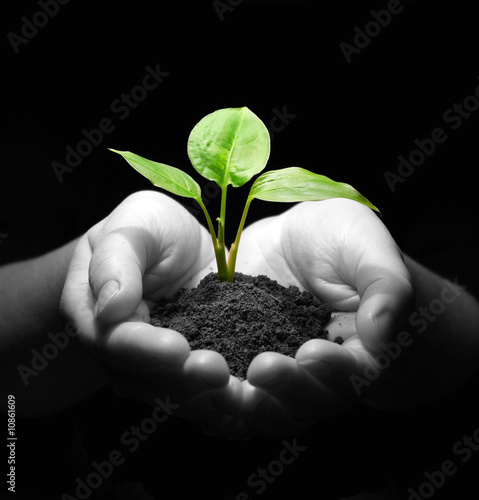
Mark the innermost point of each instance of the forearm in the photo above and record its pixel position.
(30, 292)
(436, 349)
(45, 376)
(444, 305)
(446, 323)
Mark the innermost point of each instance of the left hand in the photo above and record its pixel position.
(147, 248)
(340, 251)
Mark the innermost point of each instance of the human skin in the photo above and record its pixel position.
(30, 292)
(149, 247)
(397, 354)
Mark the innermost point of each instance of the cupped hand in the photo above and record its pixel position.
(340, 251)
(147, 248)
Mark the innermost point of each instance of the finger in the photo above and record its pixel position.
(209, 404)
(340, 367)
(143, 361)
(331, 364)
(282, 377)
(264, 413)
(268, 368)
(162, 362)
(387, 297)
(229, 399)
(206, 370)
(202, 385)
(76, 303)
(141, 346)
(116, 271)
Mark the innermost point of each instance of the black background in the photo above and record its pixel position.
(352, 121)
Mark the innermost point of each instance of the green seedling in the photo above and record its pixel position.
(229, 147)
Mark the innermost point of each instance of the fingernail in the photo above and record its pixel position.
(110, 289)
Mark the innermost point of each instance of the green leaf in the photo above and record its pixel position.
(298, 184)
(163, 176)
(229, 146)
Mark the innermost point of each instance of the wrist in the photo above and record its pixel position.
(445, 314)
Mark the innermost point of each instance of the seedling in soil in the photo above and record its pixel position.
(229, 147)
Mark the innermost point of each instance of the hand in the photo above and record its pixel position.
(147, 248)
(341, 252)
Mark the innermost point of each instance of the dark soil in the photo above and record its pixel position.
(242, 319)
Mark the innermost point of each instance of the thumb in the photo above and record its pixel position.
(116, 273)
(387, 297)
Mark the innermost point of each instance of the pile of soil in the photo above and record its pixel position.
(242, 319)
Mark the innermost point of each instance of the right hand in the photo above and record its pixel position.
(343, 254)
(147, 248)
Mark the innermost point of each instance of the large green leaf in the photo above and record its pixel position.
(163, 176)
(298, 184)
(229, 146)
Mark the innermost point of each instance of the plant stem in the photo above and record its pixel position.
(221, 220)
(234, 247)
(218, 247)
(221, 262)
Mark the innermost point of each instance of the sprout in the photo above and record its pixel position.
(229, 147)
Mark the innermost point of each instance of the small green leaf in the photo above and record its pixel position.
(163, 176)
(298, 184)
(229, 146)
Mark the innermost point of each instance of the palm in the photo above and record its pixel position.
(304, 247)
(337, 249)
(341, 252)
(150, 247)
